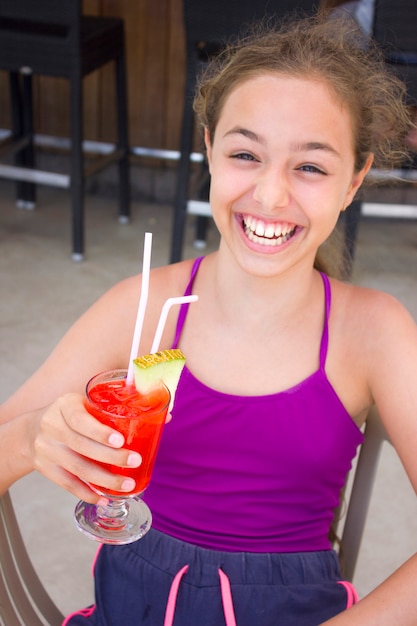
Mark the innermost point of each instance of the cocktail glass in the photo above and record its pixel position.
(140, 419)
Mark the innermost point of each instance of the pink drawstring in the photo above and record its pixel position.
(352, 595)
(172, 597)
(227, 599)
(225, 591)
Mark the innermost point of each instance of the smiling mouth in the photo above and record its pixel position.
(267, 234)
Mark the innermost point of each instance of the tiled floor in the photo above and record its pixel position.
(43, 291)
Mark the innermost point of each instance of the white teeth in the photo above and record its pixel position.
(269, 231)
(267, 234)
(260, 230)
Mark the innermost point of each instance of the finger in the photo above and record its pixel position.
(83, 433)
(83, 458)
(79, 420)
(70, 483)
(75, 474)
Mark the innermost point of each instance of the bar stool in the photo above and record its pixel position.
(52, 38)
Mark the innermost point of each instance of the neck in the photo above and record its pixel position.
(253, 297)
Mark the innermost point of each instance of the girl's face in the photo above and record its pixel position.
(282, 169)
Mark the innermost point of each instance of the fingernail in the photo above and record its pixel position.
(103, 502)
(134, 459)
(128, 484)
(116, 440)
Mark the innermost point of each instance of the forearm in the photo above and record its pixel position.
(392, 602)
(15, 450)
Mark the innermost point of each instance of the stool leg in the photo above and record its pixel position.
(77, 167)
(21, 112)
(200, 241)
(16, 106)
(351, 218)
(28, 154)
(122, 140)
(183, 173)
(202, 221)
(180, 208)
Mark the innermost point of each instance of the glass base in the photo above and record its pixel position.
(118, 523)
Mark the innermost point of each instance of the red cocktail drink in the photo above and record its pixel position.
(139, 418)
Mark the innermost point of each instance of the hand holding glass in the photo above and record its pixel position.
(140, 419)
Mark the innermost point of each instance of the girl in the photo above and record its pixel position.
(283, 362)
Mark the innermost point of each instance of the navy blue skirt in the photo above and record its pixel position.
(135, 583)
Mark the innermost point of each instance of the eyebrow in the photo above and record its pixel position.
(246, 133)
(316, 145)
(302, 147)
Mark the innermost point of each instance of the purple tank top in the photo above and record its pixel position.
(253, 474)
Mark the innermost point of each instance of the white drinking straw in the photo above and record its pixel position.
(143, 300)
(163, 317)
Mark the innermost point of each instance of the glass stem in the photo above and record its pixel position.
(113, 513)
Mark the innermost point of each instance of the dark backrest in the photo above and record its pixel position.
(395, 25)
(29, 28)
(214, 23)
(395, 30)
(62, 12)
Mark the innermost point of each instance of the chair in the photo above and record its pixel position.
(360, 496)
(208, 27)
(52, 38)
(23, 599)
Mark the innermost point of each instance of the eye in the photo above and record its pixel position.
(243, 156)
(313, 169)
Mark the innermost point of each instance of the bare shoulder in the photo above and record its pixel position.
(165, 282)
(171, 280)
(369, 310)
(372, 350)
(368, 323)
(378, 335)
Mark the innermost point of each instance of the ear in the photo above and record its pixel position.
(357, 181)
(207, 142)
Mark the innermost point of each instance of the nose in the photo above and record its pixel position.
(272, 189)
